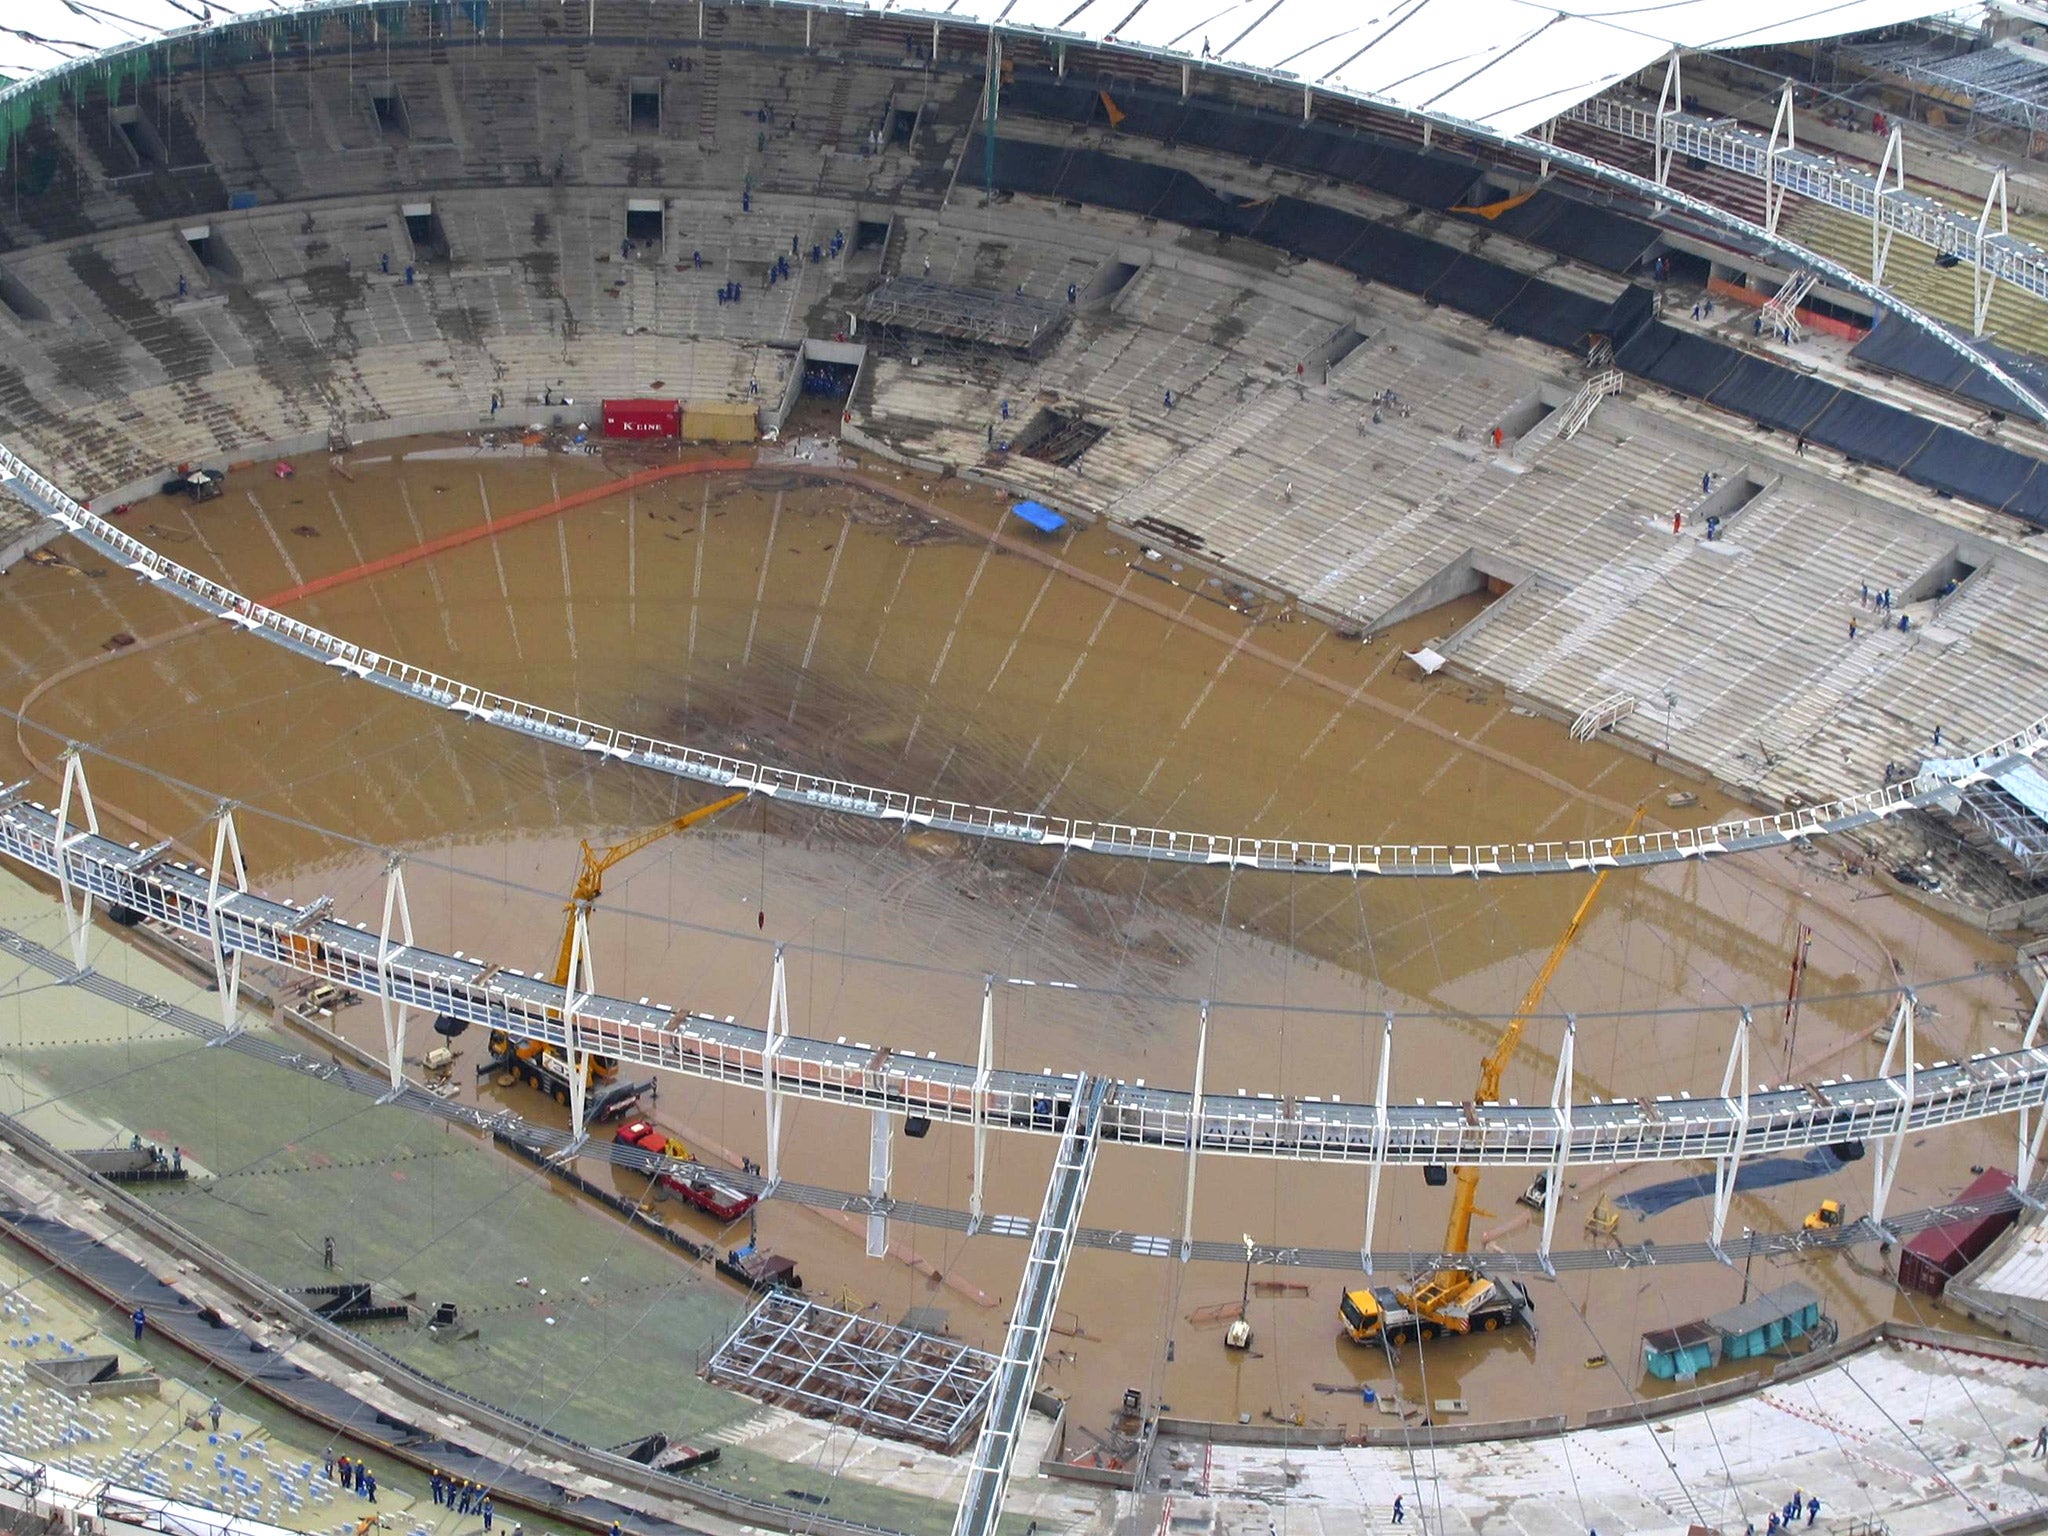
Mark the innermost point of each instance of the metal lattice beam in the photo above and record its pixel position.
(1052, 1245)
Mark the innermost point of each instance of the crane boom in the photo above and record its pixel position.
(1458, 1235)
(590, 875)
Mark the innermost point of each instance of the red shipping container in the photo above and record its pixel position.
(1932, 1258)
(643, 418)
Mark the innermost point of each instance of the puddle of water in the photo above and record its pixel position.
(825, 625)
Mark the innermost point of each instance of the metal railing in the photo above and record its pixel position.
(1114, 839)
(1728, 146)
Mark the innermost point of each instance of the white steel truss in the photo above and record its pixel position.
(77, 903)
(1287, 855)
(396, 1013)
(578, 1020)
(1885, 1165)
(1880, 200)
(227, 963)
(2033, 1122)
(1052, 1244)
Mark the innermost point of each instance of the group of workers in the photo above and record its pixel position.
(462, 1496)
(355, 1476)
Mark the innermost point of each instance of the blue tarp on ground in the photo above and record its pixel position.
(1655, 1199)
(1039, 516)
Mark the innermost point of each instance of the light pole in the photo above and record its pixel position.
(1748, 1253)
(1670, 704)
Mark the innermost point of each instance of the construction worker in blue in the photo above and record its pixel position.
(434, 1484)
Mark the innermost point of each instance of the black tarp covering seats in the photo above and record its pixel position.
(1552, 221)
(1680, 360)
(1904, 349)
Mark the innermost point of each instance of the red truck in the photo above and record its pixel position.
(703, 1186)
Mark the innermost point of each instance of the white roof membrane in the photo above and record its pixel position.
(1508, 64)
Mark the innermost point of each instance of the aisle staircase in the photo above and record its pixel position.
(1598, 717)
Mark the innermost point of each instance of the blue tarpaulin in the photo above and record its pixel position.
(1041, 517)
(1770, 1172)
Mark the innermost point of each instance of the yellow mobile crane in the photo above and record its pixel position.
(540, 1065)
(1459, 1298)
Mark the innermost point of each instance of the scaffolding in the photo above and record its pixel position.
(1013, 322)
(2017, 829)
(859, 1371)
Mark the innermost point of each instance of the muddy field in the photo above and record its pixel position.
(877, 631)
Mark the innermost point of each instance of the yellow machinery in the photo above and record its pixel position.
(538, 1064)
(1829, 1215)
(1460, 1299)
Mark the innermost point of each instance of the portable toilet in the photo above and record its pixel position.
(1766, 1322)
(1681, 1353)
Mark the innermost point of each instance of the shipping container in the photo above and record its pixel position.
(1933, 1258)
(642, 418)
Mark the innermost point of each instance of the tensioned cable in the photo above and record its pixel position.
(1088, 989)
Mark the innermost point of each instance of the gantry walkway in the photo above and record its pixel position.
(1052, 1245)
(545, 1142)
(1779, 166)
(1722, 1128)
(967, 820)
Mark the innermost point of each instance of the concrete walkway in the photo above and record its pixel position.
(1929, 1440)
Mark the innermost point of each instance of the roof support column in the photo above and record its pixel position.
(2032, 1121)
(1561, 1110)
(880, 1150)
(1670, 102)
(1187, 1215)
(1982, 278)
(1736, 1077)
(577, 989)
(78, 903)
(1379, 1142)
(1891, 180)
(395, 1012)
(984, 1064)
(1782, 125)
(1885, 1165)
(227, 965)
(778, 1032)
